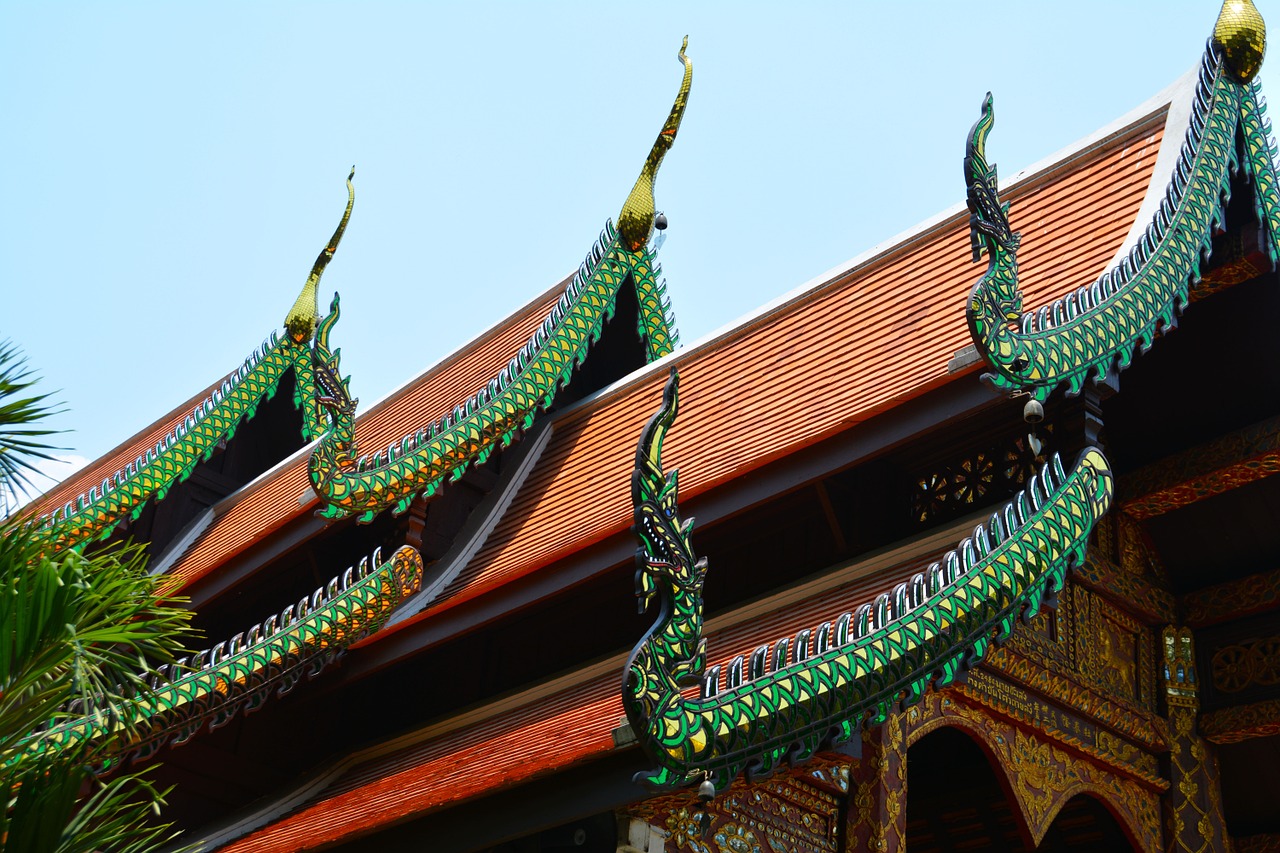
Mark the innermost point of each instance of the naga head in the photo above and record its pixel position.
(300, 323)
(1241, 35)
(332, 391)
(635, 222)
(665, 552)
(989, 229)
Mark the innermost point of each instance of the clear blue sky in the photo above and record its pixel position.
(173, 169)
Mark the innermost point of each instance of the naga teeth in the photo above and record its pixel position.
(734, 678)
(711, 683)
(842, 628)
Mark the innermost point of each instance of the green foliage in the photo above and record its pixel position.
(76, 628)
(48, 813)
(76, 635)
(21, 441)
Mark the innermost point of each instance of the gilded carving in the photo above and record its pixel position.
(1227, 463)
(1041, 775)
(1104, 539)
(784, 813)
(1248, 664)
(1242, 722)
(1124, 752)
(1047, 639)
(1257, 844)
(1137, 557)
(1193, 809)
(685, 828)
(878, 785)
(732, 838)
(961, 485)
(1114, 651)
(1138, 595)
(834, 777)
(1147, 729)
(1233, 599)
(1180, 684)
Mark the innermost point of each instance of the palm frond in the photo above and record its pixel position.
(22, 441)
(46, 813)
(88, 629)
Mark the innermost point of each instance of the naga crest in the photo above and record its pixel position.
(302, 318)
(989, 229)
(665, 551)
(333, 392)
(635, 221)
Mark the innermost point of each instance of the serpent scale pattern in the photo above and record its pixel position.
(96, 513)
(421, 462)
(240, 674)
(794, 696)
(1096, 329)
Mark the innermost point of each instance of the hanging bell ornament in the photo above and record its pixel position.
(707, 791)
(1033, 411)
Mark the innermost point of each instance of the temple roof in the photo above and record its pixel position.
(855, 343)
(283, 494)
(119, 456)
(859, 341)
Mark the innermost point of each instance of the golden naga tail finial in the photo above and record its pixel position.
(302, 318)
(635, 222)
(1241, 35)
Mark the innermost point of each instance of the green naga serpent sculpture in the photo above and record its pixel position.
(240, 673)
(96, 513)
(419, 463)
(1095, 329)
(819, 687)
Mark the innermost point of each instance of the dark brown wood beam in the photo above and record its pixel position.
(1200, 472)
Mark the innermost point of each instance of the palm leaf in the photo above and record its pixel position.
(21, 443)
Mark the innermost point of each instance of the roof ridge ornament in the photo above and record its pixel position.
(302, 318)
(495, 414)
(122, 496)
(241, 673)
(1241, 34)
(635, 222)
(1096, 329)
(790, 700)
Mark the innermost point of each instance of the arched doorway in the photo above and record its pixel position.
(956, 800)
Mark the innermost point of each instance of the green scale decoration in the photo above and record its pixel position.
(95, 514)
(240, 674)
(797, 695)
(421, 462)
(1095, 329)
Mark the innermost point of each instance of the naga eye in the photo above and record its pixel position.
(669, 512)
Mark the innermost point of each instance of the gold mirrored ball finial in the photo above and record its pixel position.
(1241, 35)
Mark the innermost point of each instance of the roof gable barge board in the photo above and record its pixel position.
(262, 521)
(904, 556)
(79, 482)
(1149, 115)
(593, 448)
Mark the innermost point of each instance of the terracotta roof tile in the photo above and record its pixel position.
(510, 748)
(494, 754)
(869, 340)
